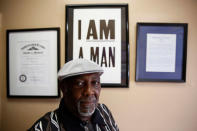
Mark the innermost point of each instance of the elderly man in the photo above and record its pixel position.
(79, 110)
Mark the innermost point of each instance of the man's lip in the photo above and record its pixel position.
(87, 102)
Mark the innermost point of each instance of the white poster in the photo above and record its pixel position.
(97, 37)
(161, 52)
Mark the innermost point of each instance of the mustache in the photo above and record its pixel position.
(88, 99)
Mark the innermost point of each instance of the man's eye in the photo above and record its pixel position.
(80, 83)
(96, 84)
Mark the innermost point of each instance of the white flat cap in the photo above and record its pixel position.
(77, 67)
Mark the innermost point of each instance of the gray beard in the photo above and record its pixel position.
(89, 112)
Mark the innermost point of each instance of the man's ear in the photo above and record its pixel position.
(63, 86)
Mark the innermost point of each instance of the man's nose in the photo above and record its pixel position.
(88, 90)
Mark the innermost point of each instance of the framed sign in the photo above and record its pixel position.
(100, 33)
(33, 62)
(161, 52)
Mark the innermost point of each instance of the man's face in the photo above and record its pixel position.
(82, 94)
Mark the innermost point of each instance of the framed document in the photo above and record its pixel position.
(33, 62)
(161, 52)
(100, 33)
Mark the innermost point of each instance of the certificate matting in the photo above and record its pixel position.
(32, 62)
(100, 33)
(161, 52)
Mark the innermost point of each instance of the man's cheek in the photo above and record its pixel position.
(76, 97)
(98, 92)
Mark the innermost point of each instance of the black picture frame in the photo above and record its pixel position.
(161, 52)
(32, 62)
(73, 14)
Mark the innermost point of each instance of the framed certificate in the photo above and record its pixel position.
(100, 33)
(33, 62)
(161, 52)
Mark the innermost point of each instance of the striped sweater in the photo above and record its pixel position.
(62, 120)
